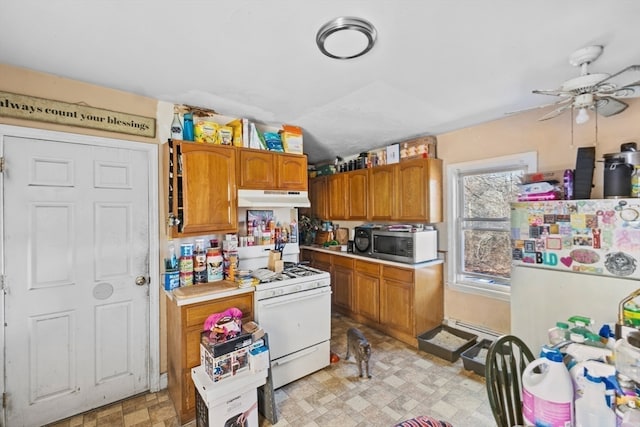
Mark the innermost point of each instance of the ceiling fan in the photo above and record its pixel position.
(598, 92)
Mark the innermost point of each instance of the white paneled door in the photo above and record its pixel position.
(76, 262)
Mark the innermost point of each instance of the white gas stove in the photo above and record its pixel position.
(294, 308)
(297, 278)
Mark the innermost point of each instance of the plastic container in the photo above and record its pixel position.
(187, 129)
(628, 359)
(592, 409)
(547, 392)
(429, 342)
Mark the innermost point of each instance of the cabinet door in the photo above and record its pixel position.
(419, 190)
(337, 196)
(396, 299)
(342, 280)
(382, 181)
(256, 170)
(357, 194)
(367, 290)
(291, 172)
(208, 188)
(318, 197)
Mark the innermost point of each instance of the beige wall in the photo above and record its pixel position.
(552, 141)
(28, 82)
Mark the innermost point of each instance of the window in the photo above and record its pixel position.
(478, 217)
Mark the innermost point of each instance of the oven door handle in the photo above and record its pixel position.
(288, 299)
(294, 356)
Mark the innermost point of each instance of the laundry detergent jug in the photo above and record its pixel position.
(547, 392)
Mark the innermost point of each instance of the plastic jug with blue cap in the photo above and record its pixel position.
(592, 409)
(547, 391)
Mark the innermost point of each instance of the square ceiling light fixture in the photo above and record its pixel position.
(346, 37)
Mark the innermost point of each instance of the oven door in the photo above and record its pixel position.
(295, 321)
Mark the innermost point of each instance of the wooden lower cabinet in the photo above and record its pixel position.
(342, 278)
(396, 300)
(401, 302)
(184, 324)
(367, 290)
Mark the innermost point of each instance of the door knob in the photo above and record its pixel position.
(141, 280)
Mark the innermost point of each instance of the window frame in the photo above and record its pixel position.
(528, 160)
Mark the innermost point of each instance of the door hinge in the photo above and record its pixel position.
(4, 400)
(1, 164)
(1, 282)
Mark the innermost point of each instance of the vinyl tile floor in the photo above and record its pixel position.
(406, 382)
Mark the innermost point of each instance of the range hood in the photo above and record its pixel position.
(273, 199)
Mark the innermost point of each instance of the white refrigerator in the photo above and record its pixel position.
(571, 258)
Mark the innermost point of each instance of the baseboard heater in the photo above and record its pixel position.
(480, 331)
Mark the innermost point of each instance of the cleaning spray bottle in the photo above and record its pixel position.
(592, 409)
(547, 392)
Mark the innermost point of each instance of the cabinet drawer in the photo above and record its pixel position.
(196, 314)
(399, 274)
(343, 261)
(322, 257)
(370, 268)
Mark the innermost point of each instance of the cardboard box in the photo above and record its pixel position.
(220, 404)
(218, 348)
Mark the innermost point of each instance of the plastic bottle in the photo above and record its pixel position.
(547, 395)
(592, 409)
(176, 127)
(187, 130)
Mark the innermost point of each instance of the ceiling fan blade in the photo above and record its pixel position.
(608, 106)
(562, 101)
(627, 77)
(555, 112)
(552, 92)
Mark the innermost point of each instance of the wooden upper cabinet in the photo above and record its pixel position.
(357, 190)
(203, 190)
(419, 190)
(382, 183)
(256, 170)
(337, 196)
(291, 172)
(265, 170)
(318, 196)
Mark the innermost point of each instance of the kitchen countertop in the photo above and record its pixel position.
(206, 292)
(320, 248)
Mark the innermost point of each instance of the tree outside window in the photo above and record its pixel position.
(479, 220)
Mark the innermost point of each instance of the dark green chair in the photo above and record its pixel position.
(507, 358)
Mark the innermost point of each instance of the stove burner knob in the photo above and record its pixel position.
(279, 291)
(298, 288)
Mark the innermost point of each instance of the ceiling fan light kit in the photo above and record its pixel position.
(346, 37)
(597, 92)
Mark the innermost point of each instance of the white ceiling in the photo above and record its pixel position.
(437, 66)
